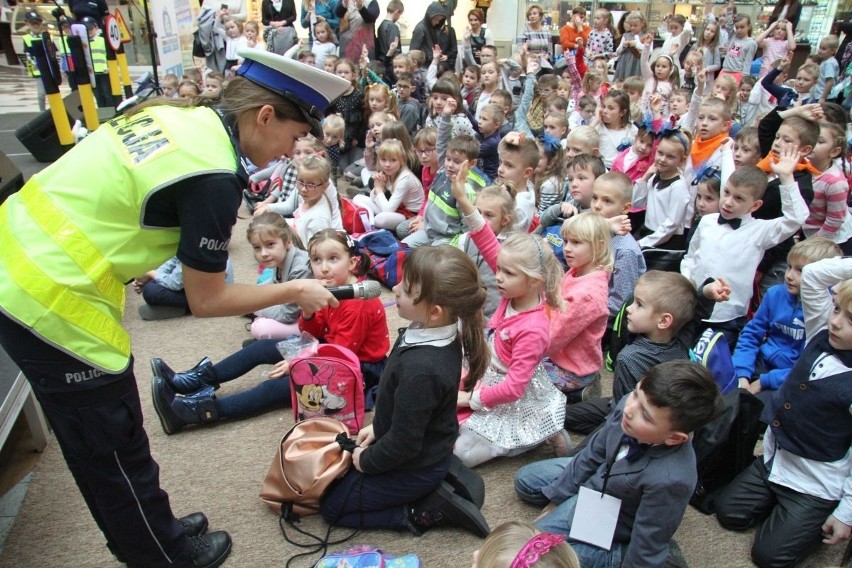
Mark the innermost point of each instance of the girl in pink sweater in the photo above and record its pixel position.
(574, 353)
(515, 406)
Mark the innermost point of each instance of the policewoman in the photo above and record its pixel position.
(166, 179)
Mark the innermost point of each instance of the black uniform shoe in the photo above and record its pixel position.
(194, 524)
(186, 382)
(444, 507)
(210, 550)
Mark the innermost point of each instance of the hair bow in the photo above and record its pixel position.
(551, 143)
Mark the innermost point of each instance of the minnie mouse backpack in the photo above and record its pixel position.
(328, 383)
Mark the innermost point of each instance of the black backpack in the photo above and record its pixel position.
(619, 337)
(725, 446)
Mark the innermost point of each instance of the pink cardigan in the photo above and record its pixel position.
(519, 340)
(576, 331)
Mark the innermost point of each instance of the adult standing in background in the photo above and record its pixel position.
(435, 29)
(211, 34)
(318, 11)
(475, 36)
(278, 17)
(278, 13)
(357, 27)
(576, 29)
(449, 7)
(790, 10)
(537, 38)
(95, 9)
(483, 5)
(237, 9)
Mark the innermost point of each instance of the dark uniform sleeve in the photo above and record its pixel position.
(204, 208)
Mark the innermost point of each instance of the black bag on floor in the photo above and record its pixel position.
(725, 446)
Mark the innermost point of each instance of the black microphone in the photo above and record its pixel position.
(359, 291)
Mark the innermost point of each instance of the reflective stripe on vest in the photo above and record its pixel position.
(97, 47)
(74, 243)
(32, 68)
(59, 299)
(75, 232)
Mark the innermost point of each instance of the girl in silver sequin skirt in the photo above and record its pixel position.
(515, 407)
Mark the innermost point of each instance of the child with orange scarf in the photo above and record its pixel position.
(712, 121)
(798, 125)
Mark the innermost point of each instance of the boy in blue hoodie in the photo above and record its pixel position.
(770, 344)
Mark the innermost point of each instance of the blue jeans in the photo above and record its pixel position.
(529, 482)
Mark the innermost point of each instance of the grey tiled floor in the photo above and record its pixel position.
(18, 92)
(10, 505)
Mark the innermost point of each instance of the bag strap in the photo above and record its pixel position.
(320, 544)
(337, 351)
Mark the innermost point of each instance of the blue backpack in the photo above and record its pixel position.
(712, 351)
(387, 255)
(553, 236)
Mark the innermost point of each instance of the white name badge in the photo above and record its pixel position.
(595, 517)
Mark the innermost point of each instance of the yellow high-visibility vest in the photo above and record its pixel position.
(74, 235)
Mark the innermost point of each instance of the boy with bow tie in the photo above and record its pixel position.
(730, 244)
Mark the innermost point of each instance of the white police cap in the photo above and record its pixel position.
(309, 88)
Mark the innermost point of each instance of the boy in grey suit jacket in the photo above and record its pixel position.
(642, 456)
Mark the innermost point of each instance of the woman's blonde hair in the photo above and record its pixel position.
(507, 540)
(593, 229)
(532, 256)
(446, 277)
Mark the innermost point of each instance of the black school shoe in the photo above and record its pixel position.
(466, 482)
(444, 507)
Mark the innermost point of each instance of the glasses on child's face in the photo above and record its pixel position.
(401, 86)
(425, 151)
(307, 185)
